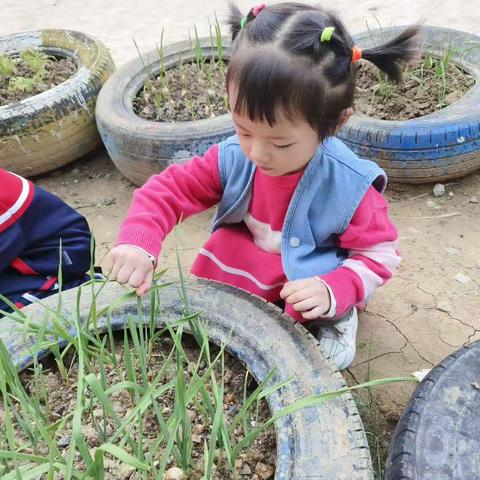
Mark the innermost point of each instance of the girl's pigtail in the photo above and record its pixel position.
(403, 48)
(234, 19)
(304, 37)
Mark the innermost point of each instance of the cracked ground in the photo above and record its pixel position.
(427, 311)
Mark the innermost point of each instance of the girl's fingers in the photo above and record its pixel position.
(300, 296)
(294, 286)
(289, 288)
(314, 313)
(146, 285)
(307, 304)
(108, 263)
(112, 274)
(137, 277)
(124, 273)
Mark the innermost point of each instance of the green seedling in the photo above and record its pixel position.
(7, 66)
(35, 59)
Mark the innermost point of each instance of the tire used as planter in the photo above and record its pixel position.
(437, 437)
(53, 128)
(323, 442)
(140, 148)
(440, 146)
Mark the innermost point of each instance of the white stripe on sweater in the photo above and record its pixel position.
(237, 271)
(384, 253)
(264, 237)
(18, 204)
(371, 281)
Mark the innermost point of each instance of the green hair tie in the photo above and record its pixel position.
(243, 22)
(327, 33)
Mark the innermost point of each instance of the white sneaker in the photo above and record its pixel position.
(337, 339)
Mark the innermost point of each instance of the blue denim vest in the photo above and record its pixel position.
(330, 190)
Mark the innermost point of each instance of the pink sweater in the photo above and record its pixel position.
(247, 255)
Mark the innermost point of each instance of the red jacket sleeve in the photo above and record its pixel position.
(170, 197)
(371, 241)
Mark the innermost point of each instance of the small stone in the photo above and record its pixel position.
(476, 385)
(453, 97)
(197, 438)
(233, 409)
(173, 473)
(474, 200)
(238, 463)
(91, 435)
(432, 204)
(63, 441)
(198, 429)
(452, 250)
(451, 194)
(439, 190)
(264, 471)
(191, 415)
(246, 470)
(124, 472)
(462, 278)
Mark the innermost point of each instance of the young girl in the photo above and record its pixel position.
(32, 223)
(301, 220)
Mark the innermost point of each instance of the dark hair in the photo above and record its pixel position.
(278, 60)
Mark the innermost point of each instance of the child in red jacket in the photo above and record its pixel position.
(33, 225)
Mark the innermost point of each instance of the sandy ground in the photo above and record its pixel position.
(429, 310)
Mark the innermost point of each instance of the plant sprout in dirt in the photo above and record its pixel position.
(30, 72)
(191, 89)
(142, 397)
(429, 83)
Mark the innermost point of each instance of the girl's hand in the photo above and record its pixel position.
(128, 264)
(309, 296)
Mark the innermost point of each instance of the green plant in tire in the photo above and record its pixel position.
(158, 87)
(36, 60)
(439, 65)
(27, 410)
(196, 47)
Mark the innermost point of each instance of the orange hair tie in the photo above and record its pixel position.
(356, 54)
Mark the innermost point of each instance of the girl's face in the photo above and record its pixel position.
(281, 149)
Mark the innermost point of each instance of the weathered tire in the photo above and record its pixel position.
(437, 437)
(140, 148)
(55, 127)
(436, 147)
(325, 442)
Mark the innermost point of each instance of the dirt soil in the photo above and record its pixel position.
(420, 92)
(189, 92)
(255, 463)
(57, 70)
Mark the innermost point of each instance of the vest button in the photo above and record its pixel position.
(294, 242)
